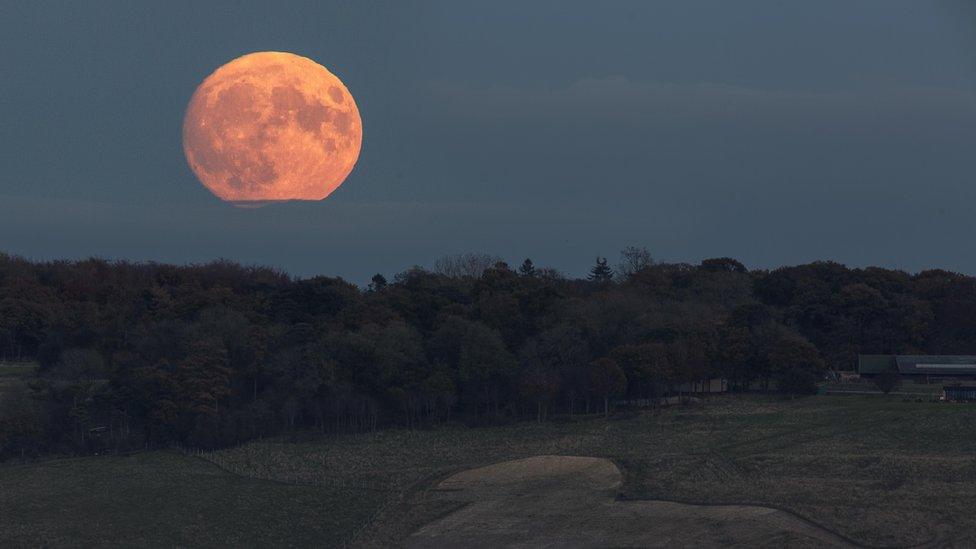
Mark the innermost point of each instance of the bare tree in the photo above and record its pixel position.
(634, 259)
(465, 265)
(548, 273)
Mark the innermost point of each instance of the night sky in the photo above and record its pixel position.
(773, 132)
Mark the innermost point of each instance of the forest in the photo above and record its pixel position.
(146, 355)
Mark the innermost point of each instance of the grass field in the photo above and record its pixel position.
(166, 499)
(876, 470)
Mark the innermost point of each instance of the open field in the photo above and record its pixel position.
(875, 470)
(569, 501)
(166, 499)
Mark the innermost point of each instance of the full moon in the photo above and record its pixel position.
(272, 126)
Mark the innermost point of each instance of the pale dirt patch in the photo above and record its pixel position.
(561, 501)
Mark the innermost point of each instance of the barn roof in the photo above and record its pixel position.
(918, 364)
(874, 364)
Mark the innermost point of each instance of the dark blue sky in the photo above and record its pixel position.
(774, 132)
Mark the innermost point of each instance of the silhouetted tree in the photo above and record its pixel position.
(465, 265)
(723, 264)
(607, 381)
(634, 259)
(219, 353)
(377, 283)
(796, 364)
(601, 272)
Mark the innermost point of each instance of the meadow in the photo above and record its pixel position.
(876, 470)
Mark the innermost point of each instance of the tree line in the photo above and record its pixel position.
(132, 355)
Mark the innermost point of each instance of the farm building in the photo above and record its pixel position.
(678, 393)
(920, 368)
(714, 385)
(959, 393)
(848, 376)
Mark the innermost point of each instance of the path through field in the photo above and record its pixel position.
(562, 501)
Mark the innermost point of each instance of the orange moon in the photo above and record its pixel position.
(272, 126)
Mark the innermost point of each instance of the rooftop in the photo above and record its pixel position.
(918, 364)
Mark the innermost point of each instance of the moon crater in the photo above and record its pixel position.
(272, 126)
